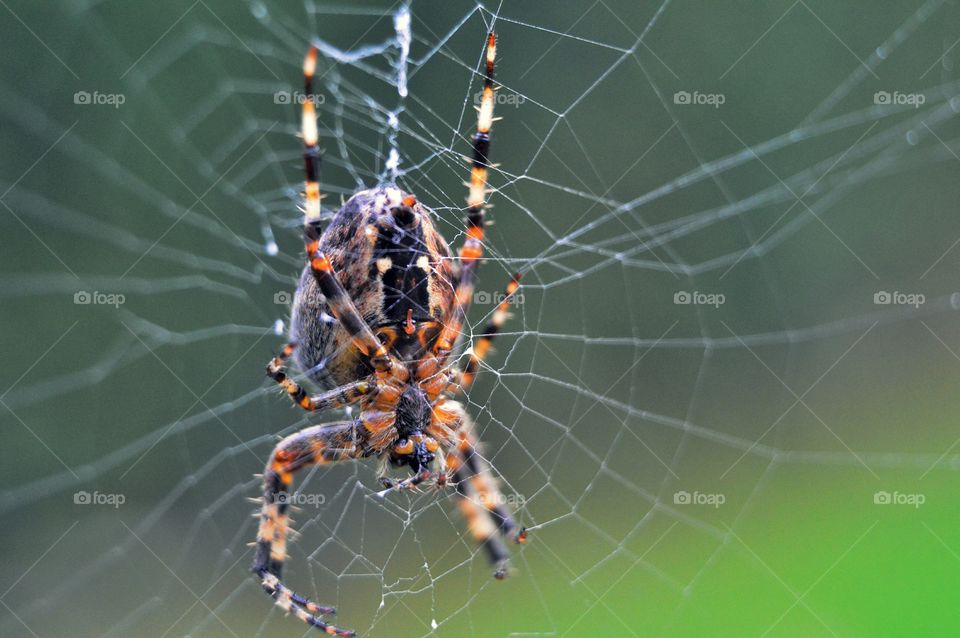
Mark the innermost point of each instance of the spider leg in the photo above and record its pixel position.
(481, 347)
(343, 308)
(486, 487)
(408, 483)
(311, 147)
(310, 446)
(340, 304)
(336, 398)
(481, 502)
(472, 249)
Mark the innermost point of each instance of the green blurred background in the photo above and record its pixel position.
(791, 406)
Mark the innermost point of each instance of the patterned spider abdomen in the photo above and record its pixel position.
(394, 266)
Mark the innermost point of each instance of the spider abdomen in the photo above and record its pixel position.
(395, 267)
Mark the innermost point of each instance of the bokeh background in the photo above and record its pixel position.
(776, 458)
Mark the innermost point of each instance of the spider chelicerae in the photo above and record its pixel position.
(398, 302)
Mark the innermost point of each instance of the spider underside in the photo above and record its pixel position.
(377, 315)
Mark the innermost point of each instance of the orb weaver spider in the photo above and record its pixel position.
(384, 273)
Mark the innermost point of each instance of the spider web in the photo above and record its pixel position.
(735, 333)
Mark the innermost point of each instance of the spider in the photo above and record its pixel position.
(384, 273)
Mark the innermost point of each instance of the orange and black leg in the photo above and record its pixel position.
(342, 307)
(340, 304)
(488, 517)
(311, 146)
(491, 498)
(336, 398)
(472, 250)
(481, 347)
(311, 446)
(480, 525)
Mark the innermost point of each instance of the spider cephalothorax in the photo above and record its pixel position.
(377, 315)
(413, 447)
